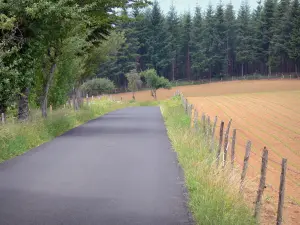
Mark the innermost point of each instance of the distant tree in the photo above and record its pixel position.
(267, 29)
(244, 47)
(155, 82)
(197, 54)
(294, 43)
(219, 40)
(98, 86)
(172, 27)
(134, 82)
(281, 34)
(208, 39)
(186, 44)
(230, 31)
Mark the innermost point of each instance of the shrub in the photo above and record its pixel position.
(134, 82)
(155, 82)
(98, 86)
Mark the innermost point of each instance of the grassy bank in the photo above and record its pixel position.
(213, 193)
(15, 139)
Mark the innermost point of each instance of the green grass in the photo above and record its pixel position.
(16, 139)
(213, 193)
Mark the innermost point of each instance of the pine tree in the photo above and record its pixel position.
(219, 41)
(281, 34)
(172, 27)
(267, 18)
(294, 44)
(257, 37)
(186, 43)
(197, 54)
(157, 39)
(207, 42)
(230, 24)
(244, 39)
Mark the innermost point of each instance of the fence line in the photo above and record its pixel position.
(262, 184)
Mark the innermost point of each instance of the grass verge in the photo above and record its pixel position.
(214, 198)
(16, 139)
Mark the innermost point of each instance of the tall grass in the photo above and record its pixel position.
(15, 139)
(213, 192)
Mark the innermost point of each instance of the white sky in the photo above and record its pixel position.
(185, 5)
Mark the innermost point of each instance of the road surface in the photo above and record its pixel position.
(116, 170)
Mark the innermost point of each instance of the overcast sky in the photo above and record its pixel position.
(185, 5)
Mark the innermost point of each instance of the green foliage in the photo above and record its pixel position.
(50, 47)
(294, 43)
(197, 53)
(98, 86)
(134, 82)
(154, 81)
(213, 194)
(244, 53)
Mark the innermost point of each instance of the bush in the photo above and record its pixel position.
(98, 86)
(134, 82)
(155, 82)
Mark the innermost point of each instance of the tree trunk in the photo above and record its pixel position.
(188, 72)
(74, 99)
(2, 109)
(296, 69)
(269, 69)
(173, 70)
(242, 69)
(210, 73)
(44, 99)
(23, 111)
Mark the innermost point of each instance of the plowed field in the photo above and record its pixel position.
(268, 114)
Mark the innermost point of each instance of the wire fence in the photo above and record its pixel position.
(222, 149)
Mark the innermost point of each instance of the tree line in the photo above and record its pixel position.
(48, 48)
(212, 43)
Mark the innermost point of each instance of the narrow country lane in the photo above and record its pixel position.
(116, 170)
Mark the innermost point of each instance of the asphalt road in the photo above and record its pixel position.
(116, 170)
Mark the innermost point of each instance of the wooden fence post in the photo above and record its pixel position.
(245, 166)
(208, 127)
(220, 143)
(281, 192)
(262, 183)
(87, 99)
(196, 120)
(185, 105)
(191, 110)
(213, 134)
(203, 122)
(233, 148)
(226, 142)
(3, 118)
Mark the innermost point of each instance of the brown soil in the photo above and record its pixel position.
(215, 89)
